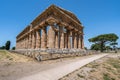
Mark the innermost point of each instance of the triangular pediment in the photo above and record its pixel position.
(54, 11)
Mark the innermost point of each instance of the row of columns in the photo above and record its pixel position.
(54, 39)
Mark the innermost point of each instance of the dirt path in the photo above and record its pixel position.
(107, 68)
(58, 70)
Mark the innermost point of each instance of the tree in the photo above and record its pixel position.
(95, 47)
(113, 44)
(13, 48)
(3, 47)
(104, 39)
(85, 48)
(108, 48)
(7, 45)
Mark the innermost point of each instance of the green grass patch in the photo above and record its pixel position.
(81, 76)
(3, 52)
(106, 77)
(5, 55)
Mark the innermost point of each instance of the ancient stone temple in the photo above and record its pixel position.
(54, 28)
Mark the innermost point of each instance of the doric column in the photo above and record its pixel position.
(79, 41)
(75, 41)
(51, 37)
(16, 45)
(27, 41)
(19, 43)
(62, 40)
(38, 39)
(33, 40)
(66, 39)
(30, 41)
(69, 41)
(24, 43)
(82, 42)
(56, 40)
(73, 37)
(44, 36)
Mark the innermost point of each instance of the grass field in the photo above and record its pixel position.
(6, 56)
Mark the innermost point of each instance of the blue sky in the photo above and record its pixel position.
(98, 16)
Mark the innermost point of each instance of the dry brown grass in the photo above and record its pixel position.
(6, 56)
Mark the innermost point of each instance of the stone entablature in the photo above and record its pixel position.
(54, 28)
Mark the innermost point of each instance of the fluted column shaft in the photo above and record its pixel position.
(79, 43)
(17, 45)
(38, 39)
(82, 41)
(22, 44)
(73, 38)
(62, 40)
(27, 41)
(56, 40)
(66, 40)
(33, 37)
(51, 37)
(69, 41)
(44, 37)
(75, 41)
(30, 41)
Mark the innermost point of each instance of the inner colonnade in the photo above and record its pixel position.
(54, 28)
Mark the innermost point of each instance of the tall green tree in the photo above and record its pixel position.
(3, 47)
(7, 45)
(13, 48)
(113, 44)
(104, 39)
(95, 47)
